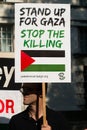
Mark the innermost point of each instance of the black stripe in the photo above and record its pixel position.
(45, 53)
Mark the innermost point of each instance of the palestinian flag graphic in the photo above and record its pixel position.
(41, 60)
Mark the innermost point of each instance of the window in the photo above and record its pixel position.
(6, 38)
(83, 39)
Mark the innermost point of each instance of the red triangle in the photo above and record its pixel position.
(26, 60)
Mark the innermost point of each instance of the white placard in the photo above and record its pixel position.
(10, 104)
(42, 43)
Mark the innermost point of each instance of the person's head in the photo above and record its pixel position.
(31, 92)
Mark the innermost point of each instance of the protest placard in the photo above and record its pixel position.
(42, 42)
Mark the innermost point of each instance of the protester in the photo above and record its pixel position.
(32, 117)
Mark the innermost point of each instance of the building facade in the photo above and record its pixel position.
(72, 97)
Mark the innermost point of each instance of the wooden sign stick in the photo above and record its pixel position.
(44, 103)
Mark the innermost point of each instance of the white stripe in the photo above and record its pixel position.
(46, 60)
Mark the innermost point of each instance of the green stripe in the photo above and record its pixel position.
(46, 67)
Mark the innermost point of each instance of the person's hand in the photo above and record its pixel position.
(46, 127)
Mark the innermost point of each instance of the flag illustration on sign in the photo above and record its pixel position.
(29, 59)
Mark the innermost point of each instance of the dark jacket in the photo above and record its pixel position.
(22, 121)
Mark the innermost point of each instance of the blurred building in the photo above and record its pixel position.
(70, 97)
